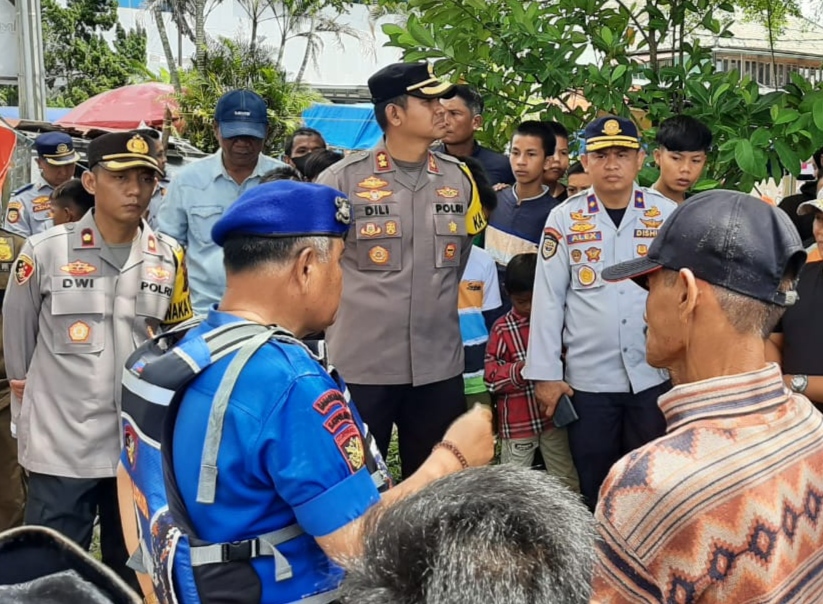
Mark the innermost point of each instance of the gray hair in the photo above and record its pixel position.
(244, 252)
(497, 535)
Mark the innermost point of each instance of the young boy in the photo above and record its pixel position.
(558, 162)
(523, 427)
(683, 144)
(516, 225)
(70, 202)
(577, 180)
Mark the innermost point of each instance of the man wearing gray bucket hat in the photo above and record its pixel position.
(726, 506)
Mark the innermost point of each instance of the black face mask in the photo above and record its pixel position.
(300, 162)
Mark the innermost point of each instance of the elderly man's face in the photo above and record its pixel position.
(665, 341)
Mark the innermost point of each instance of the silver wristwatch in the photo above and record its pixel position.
(799, 383)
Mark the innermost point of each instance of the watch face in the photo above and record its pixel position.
(799, 383)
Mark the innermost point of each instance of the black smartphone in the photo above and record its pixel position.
(564, 414)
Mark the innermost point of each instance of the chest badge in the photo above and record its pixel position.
(586, 275)
(373, 195)
(79, 332)
(370, 229)
(447, 192)
(391, 227)
(379, 255)
(78, 268)
(372, 182)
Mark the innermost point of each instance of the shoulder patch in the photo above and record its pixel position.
(350, 444)
(23, 189)
(23, 269)
(351, 158)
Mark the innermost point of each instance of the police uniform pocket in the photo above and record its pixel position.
(202, 220)
(77, 321)
(379, 244)
(156, 288)
(587, 275)
(448, 229)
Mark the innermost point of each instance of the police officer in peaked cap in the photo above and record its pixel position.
(397, 340)
(29, 211)
(82, 297)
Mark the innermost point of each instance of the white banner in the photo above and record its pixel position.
(9, 43)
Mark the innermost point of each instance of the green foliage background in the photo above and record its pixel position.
(521, 55)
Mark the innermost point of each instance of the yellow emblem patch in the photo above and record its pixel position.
(652, 212)
(452, 227)
(652, 224)
(373, 195)
(578, 216)
(582, 227)
(379, 255)
(78, 268)
(611, 127)
(372, 182)
(642, 249)
(6, 249)
(370, 229)
(448, 192)
(586, 275)
(79, 332)
(137, 144)
(593, 254)
(62, 148)
(391, 227)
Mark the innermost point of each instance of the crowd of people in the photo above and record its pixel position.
(212, 368)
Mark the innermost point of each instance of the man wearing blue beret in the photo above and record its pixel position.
(272, 467)
(29, 210)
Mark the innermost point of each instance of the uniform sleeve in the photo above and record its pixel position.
(180, 304)
(316, 457)
(330, 179)
(500, 375)
(21, 313)
(551, 284)
(171, 217)
(16, 219)
(619, 575)
(491, 288)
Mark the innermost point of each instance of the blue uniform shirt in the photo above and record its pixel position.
(196, 198)
(290, 453)
(600, 324)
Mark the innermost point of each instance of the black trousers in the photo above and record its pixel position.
(69, 506)
(611, 425)
(422, 415)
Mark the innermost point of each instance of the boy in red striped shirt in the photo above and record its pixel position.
(523, 428)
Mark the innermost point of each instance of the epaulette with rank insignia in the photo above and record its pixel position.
(351, 158)
(168, 240)
(22, 189)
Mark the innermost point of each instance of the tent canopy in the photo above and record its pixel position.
(345, 126)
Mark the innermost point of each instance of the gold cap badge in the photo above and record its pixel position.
(611, 127)
(137, 144)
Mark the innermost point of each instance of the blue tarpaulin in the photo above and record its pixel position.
(52, 113)
(345, 126)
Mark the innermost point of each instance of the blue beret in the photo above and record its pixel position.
(285, 208)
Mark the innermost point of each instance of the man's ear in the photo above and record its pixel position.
(656, 154)
(394, 115)
(89, 181)
(304, 267)
(477, 122)
(688, 294)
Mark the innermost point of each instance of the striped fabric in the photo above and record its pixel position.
(518, 415)
(726, 507)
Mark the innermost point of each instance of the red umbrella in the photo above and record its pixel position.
(123, 108)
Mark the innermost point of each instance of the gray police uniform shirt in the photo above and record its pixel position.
(405, 253)
(10, 246)
(29, 210)
(72, 316)
(601, 324)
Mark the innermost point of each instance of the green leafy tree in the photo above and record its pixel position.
(536, 58)
(230, 64)
(79, 62)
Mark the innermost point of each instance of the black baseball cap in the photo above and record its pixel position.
(728, 239)
(118, 151)
(413, 79)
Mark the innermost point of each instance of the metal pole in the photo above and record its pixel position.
(31, 78)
